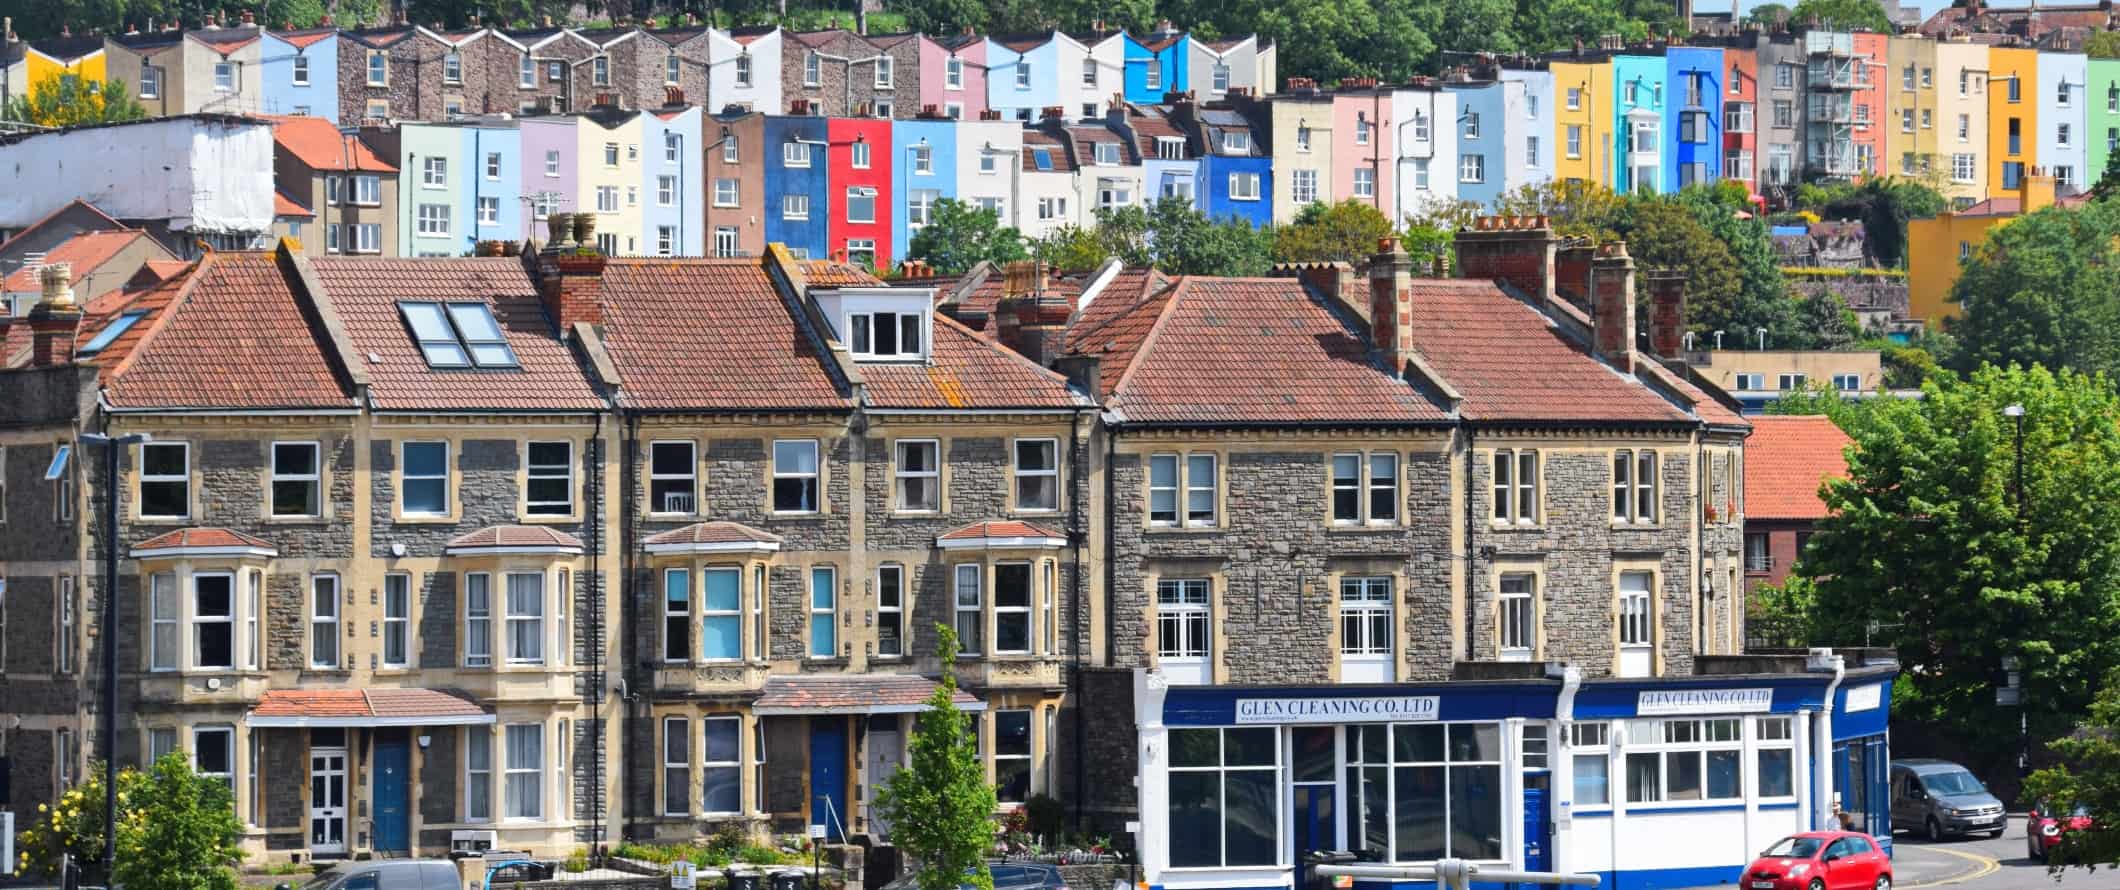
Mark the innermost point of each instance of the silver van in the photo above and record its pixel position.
(388, 874)
(1939, 798)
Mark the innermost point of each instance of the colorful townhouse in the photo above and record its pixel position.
(1693, 135)
(1911, 107)
(1046, 195)
(743, 69)
(551, 170)
(2013, 103)
(2064, 112)
(226, 63)
(1236, 171)
(843, 74)
(152, 65)
(1582, 119)
(989, 161)
(924, 150)
(1637, 109)
(85, 57)
(463, 183)
(1218, 66)
(1740, 102)
(1872, 56)
(1781, 124)
(1962, 120)
(1109, 175)
(861, 188)
(354, 194)
(1527, 91)
(607, 146)
(1299, 130)
(953, 75)
(198, 70)
(1424, 127)
(672, 188)
(299, 72)
(1157, 64)
(799, 203)
(2102, 118)
(1364, 160)
(1103, 78)
(736, 209)
(1170, 167)
(1482, 133)
(1938, 247)
(1025, 73)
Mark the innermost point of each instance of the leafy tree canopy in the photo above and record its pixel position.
(67, 100)
(1882, 204)
(2044, 289)
(1768, 14)
(959, 235)
(176, 828)
(1346, 232)
(1867, 15)
(2102, 44)
(940, 806)
(1170, 235)
(1925, 548)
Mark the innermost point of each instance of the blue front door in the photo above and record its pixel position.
(828, 775)
(393, 785)
(1538, 833)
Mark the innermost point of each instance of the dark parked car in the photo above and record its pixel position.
(1940, 798)
(387, 874)
(1007, 876)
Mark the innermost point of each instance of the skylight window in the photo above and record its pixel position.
(458, 335)
(111, 332)
(1043, 158)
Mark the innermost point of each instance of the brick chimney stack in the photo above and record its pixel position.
(1667, 312)
(55, 320)
(1571, 274)
(1516, 250)
(571, 285)
(1391, 303)
(1031, 316)
(1612, 306)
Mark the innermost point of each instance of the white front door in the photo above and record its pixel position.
(886, 749)
(327, 801)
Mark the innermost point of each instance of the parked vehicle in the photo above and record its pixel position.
(2044, 827)
(1007, 876)
(1940, 798)
(1821, 860)
(387, 874)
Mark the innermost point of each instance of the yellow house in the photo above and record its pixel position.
(1580, 128)
(2013, 115)
(1962, 119)
(63, 55)
(1937, 246)
(608, 147)
(1910, 107)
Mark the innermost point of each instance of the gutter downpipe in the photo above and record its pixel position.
(1080, 536)
(1471, 548)
(1822, 737)
(596, 651)
(627, 471)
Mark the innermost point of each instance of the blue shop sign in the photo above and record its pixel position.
(1686, 696)
(1862, 707)
(1261, 706)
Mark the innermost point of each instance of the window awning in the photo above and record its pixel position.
(354, 708)
(823, 694)
(499, 539)
(1001, 534)
(204, 542)
(713, 537)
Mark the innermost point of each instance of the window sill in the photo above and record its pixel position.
(161, 520)
(914, 514)
(416, 519)
(1183, 529)
(796, 514)
(295, 520)
(1357, 527)
(548, 518)
(826, 661)
(1505, 526)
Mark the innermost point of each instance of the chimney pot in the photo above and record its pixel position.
(571, 286)
(55, 320)
(1518, 251)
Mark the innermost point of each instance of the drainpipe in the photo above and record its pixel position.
(1079, 534)
(1823, 660)
(597, 637)
(628, 470)
(1471, 550)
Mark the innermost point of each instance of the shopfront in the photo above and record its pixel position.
(1669, 782)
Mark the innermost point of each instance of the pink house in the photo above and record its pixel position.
(1362, 143)
(953, 75)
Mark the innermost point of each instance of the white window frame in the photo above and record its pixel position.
(163, 611)
(690, 477)
(514, 804)
(890, 611)
(66, 618)
(1516, 498)
(665, 191)
(865, 194)
(1635, 486)
(227, 744)
(709, 614)
(731, 770)
(814, 476)
(953, 73)
(489, 210)
(677, 646)
(968, 613)
(901, 476)
(526, 72)
(534, 622)
(405, 476)
(1516, 615)
(1363, 599)
(1636, 610)
(1668, 743)
(198, 619)
(1772, 735)
(1020, 477)
(378, 69)
(794, 206)
(1184, 623)
(181, 479)
(1365, 179)
(1244, 186)
(677, 766)
(397, 619)
(313, 479)
(324, 611)
(1183, 485)
(824, 580)
(1364, 485)
(534, 471)
(478, 620)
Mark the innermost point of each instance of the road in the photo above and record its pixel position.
(1983, 864)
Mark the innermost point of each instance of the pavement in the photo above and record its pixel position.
(1983, 863)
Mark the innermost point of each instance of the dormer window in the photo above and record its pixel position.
(885, 335)
(1107, 153)
(1236, 142)
(458, 335)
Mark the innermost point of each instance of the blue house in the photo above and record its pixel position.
(671, 159)
(1156, 65)
(1170, 161)
(1480, 131)
(797, 199)
(1022, 74)
(1693, 114)
(926, 153)
(1637, 123)
(1235, 165)
(301, 72)
(492, 198)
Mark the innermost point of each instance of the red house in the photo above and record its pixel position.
(1787, 460)
(860, 189)
(1741, 159)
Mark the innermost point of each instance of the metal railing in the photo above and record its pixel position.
(1454, 874)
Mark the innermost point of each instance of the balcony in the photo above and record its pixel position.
(1759, 565)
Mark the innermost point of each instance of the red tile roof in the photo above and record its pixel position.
(1509, 362)
(1118, 329)
(366, 293)
(320, 146)
(965, 370)
(232, 337)
(86, 252)
(1787, 460)
(305, 39)
(851, 694)
(63, 208)
(364, 703)
(712, 334)
(717, 532)
(1128, 287)
(224, 40)
(284, 204)
(515, 536)
(1013, 529)
(832, 273)
(202, 537)
(1260, 350)
(1055, 149)
(149, 297)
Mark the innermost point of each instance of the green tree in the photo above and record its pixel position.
(1762, 299)
(2044, 289)
(1182, 241)
(959, 235)
(1661, 233)
(67, 100)
(1926, 547)
(1828, 321)
(2108, 182)
(2102, 44)
(1767, 14)
(176, 828)
(1346, 232)
(1867, 15)
(940, 806)
(1577, 208)
(942, 16)
(2087, 776)
(1071, 248)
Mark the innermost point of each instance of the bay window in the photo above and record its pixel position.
(525, 774)
(1224, 797)
(478, 620)
(677, 766)
(969, 617)
(1012, 756)
(213, 621)
(478, 774)
(721, 622)
(1012, 608)
(677, 614)
(526, 618)
(721, 789)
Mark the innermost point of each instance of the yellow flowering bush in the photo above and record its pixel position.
(176, 829)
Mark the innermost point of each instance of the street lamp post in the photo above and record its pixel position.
(111, 445)
(2015, 412)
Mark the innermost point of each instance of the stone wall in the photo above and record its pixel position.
(32, 771)
(440, 766)
(843, 88)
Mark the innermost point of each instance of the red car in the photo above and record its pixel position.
(2044, 828)
(1821, 860)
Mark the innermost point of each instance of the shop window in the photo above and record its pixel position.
(1012, 756)
(1685, 760)
(1775, 758)
(1224, 794)
(721, 790)
(1588, 746)
(1427, 791)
